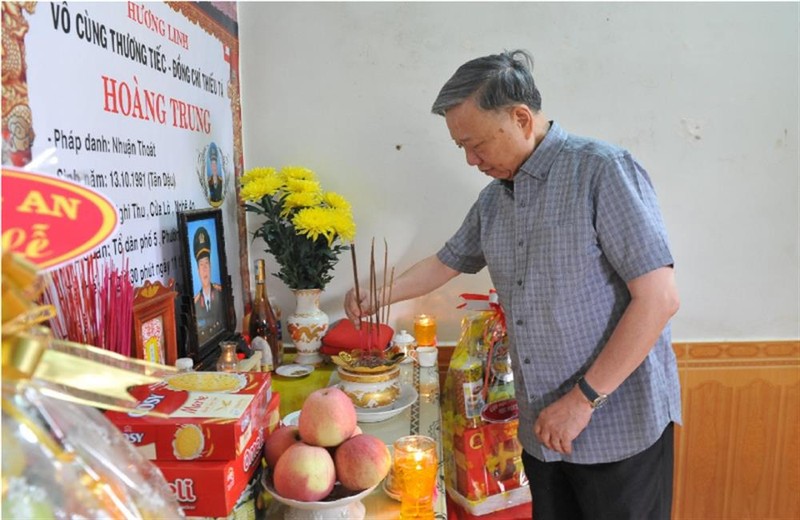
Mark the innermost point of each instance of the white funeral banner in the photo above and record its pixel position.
(132, 99)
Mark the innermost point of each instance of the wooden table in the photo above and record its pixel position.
(421, 418)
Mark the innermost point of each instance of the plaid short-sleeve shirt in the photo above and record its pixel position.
(579, 221)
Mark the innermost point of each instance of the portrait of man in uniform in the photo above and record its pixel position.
(214, 176)
(208, 300)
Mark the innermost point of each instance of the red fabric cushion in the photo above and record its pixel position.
(343, 336)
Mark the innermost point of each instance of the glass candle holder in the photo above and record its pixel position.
(415, 470)
(425, 329)
(227, 360)
(429, 384)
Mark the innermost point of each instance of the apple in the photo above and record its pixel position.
(362, 462)
(278, 442)
(357, 431)
(327, 418)
(305, 473)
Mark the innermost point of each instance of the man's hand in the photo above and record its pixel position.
(561, 422)
(422, 278)
(354, 310)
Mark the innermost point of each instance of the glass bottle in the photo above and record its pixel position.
(264, 325)
(502, 385)
(470, 382)
(278, 316)
(227, 360)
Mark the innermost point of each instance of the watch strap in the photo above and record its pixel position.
(596, 400)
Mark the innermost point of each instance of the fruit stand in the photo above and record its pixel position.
(416, 411)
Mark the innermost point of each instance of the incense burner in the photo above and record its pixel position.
(371, 389)
(370, 378)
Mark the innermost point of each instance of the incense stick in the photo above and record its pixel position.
(373, 300)
(385, 272)
(389, 305)
(355, 277)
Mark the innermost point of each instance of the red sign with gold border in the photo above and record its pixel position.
(52, 221)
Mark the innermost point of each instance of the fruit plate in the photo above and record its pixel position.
(341, 503)
(406, 398)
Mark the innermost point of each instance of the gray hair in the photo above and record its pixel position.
(496, 81)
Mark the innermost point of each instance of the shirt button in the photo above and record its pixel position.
(527, 361)
(520, 243)
(519, 322)
(519, 282)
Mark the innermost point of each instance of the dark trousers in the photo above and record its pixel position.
(636, 488)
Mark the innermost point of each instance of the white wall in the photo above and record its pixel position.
(704, 95)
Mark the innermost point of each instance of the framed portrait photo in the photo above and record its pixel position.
(206, 289)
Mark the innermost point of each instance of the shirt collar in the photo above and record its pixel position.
(539, 163)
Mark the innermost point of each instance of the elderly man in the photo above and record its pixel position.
(575, 244)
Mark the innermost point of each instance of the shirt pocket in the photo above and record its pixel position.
(561, 252)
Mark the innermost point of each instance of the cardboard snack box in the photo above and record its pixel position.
(208, 415)
(215, 489)
(212, 488)
(249, 506)
(246, 506)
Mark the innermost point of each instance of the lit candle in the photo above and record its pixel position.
(425, 329)
(415, 470)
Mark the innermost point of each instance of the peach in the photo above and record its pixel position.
(357, 431)
(362, 462)
(327, 418)
(304, 473)
(278, 442)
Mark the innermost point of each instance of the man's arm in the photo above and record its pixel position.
(654, 300)
(422, 278)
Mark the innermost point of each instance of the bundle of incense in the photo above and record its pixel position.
(370, 341)
(94, 306)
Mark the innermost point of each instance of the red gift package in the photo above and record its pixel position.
(206, 415)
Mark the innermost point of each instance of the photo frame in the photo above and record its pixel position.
(154, 331)
(206, 290)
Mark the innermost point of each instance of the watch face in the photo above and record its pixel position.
(599, 402)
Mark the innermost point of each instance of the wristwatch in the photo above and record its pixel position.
(595, 400)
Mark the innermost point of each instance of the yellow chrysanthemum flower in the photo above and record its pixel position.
(336, 201)
(303, 186)
(343, 224)
(257, 173)
(294, 201)
(298, 173)
(259, 187)
(314, 222)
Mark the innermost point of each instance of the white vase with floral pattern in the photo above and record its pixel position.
(307, 325)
